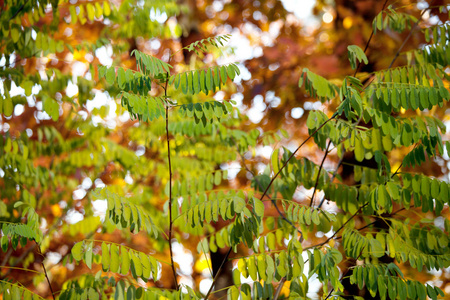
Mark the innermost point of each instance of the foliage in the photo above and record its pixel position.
(163, 174)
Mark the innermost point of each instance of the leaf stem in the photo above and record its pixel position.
(318, 175)
(343, 276)
(293, 153)
(45, 270)
(218, 272)
(336, 232)
(274, 203)
(170, 189)
(280, 286)
(265, 193)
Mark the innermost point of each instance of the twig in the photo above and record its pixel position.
(218, 272)
(293, 153)
(336, 232)
(280, 286)
(368, 41)
(274, 203)
(343, 275)
(265, 193)
(318, 175)
(18, 10)
(332, 178)
(354, 75)
(409, 35)
(170, 188)
(45, 270)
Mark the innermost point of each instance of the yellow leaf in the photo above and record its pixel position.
(56, 210)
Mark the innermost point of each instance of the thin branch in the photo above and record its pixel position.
(18, 10)
(274, 203)
(280, 286)
(368, 42)
(265, 193)
(354, 75)
(170, 188)
(218, 272)
(336, 232)
(45, 270)
(296, 150)
(413, 28)
(341, 160)
(343, 276)
(318, 175)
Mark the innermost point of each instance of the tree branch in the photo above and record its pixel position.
(336, 232)
(271, 200)
(218, 272)
(293, 153)
(318, 175)
(170, 188)
(45, 270)
(265, 193)
(368, 42)
(280, 286)
(343, 275)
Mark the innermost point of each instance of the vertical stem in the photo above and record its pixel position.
(170, 188)
(318, 174)
(293, 154)
(218, 272)
(280, 286)
(45, 270)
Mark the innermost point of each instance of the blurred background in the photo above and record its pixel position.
(271, 42)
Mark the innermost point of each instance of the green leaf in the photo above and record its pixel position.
(124, 261)
(136, 265)
(146, 267)
(223, 74)
(110, 75)
(358, 53)
(98, 10)
(77, 251)
(274, 160)
(239, 204)
(231, 72)
(121, 78)
(8, 107)
(236, 277)
(106, 9)
(106, 258)
(259, 207)
(88, 254)
(114, 267)
(73, 14)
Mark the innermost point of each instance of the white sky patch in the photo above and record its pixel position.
(256, 112)
(100, 207)
(104, 55)
(297, 112)
(72, 89)
(158, 16)
(87, 183)
(73, 216)
(265, 151)
(79, 68)
(204, 285)
(183, 258)
(18, 109)
(100, 99)
(233, 169)
(53, 257)
(15, 90)
(302, 10)
(78, 194)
